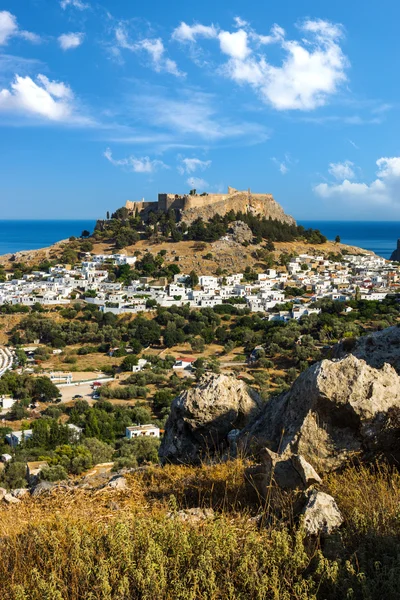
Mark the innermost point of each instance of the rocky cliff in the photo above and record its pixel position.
(396, 253)
(262, 205)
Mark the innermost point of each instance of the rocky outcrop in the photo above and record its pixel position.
(376, 348)
(262, 205)
(396, 253)
(201, 418)
(240, 232)
(321, 515)
(334, 411)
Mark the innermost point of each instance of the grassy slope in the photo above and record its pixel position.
(79, 544)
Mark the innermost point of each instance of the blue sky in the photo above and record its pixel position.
(104, 102)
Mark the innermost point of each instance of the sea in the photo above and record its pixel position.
(378, 236)
(31, 235)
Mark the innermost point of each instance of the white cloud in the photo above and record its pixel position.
(234, 44)
(191, 165)
(68, 41)
(9, 28)
(283, 165)
(194, 116)
(137, 165)
(312, 69)
(342, 170)
(198, 183)
(189, 33)
(385, 189)
(43, 99)
(75, 3)
(277, 34)
(153, 47)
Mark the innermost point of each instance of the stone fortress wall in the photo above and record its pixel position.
(192, 207)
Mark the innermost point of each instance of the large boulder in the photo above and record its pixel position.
(334, 411)
(202, 417)
(375, 348)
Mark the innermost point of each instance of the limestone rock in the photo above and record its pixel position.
(118, 483)
(19, 492)
(240, 232)
(376, 348)
(321, 514)
(333, 411)
(263, 205)
(42, 488)
(308, 474)
(202, 417)
(292, 473)
(10, 499)
(3, 492)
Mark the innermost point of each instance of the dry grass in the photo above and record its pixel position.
(120, 545)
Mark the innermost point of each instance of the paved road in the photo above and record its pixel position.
(68, 392)
(6, 360)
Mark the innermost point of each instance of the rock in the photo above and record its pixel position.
(240, 232)
(19, 492)
(42, 488)
(10, 499)
(396, 253)
(321, 514)
(118, 483)
(308, 474)
(376, 348)
(232, 438)
(192, 515)
(292, 473)
(334, 410)
(202, 417)
(3, 492)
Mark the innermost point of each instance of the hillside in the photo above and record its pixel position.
(197, 533)
(228, 255)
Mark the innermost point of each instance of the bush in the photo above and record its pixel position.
(100, 451)
(54, 473)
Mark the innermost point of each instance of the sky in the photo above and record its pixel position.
(103, 102)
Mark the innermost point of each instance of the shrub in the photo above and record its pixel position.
(54, 473)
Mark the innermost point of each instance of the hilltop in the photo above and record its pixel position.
(192, 206)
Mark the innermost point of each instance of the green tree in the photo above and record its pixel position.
(85, 233)
(128, 362)
(100, 451)
(193, 279)
(44, 390)
(337, 239)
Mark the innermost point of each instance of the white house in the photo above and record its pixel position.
(7, 402)
(136, 431)
(16, 437)
(185, 362)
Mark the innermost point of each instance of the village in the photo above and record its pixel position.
(305, 280)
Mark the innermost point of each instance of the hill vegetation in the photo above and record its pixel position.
(143, 543)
